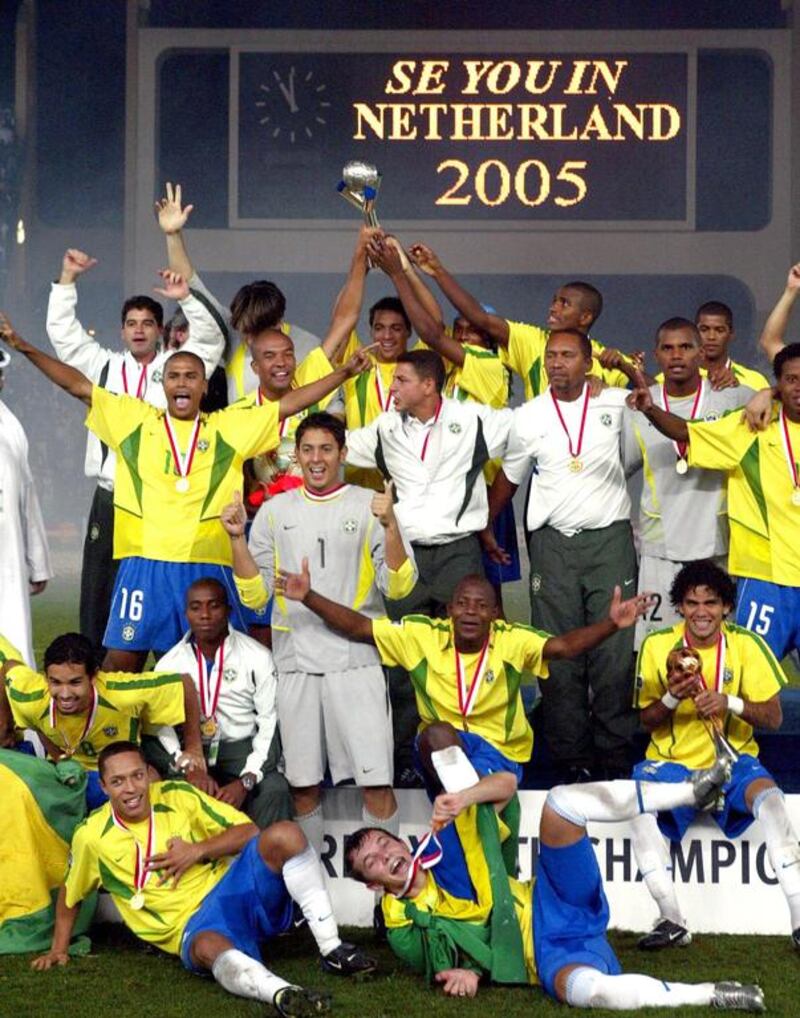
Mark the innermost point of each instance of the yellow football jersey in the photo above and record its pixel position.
(482, 378)
(525, 356)
(425, 648)
(765, 524)
(750, 671)
(152, 517)
(104, 856)
(124, 702)
(8, 652)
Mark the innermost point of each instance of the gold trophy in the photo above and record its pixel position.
(359, 185)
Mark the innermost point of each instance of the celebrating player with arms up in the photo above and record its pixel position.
(194, 877)
(176, 470)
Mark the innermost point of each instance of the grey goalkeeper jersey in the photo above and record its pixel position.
(682, 517)
(344, 544)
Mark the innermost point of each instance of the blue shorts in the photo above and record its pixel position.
(248, 906)
(95, 796)
(570, 913)
(504, 529)
(734, 818)
(148, 604)
(481, 754)
(772, 611)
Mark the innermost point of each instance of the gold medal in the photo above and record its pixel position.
(796, 496)
(681, 466)
(575, 466)
(182, 484)
(137, 901)
(208, 728)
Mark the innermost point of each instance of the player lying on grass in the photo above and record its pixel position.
(194, 877)
(77, 709)
(453, 914)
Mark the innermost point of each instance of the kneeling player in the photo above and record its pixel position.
(165, 851)
(452, 913)
(731, 679)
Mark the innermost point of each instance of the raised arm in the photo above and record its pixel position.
(306, 395)
(71, 342)
(496, 789)
(67, 378)
(427, 261)
(773, 336)
(172, 216)
(429, 329)
(668, 424)
(348, 303)
(621, 615)
(297, 587)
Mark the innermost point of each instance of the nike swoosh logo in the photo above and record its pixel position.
(366, 770)
(324, 918)
(627, 583)
(786, 865)
(290, 526)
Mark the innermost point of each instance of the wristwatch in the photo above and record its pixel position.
(249, 781)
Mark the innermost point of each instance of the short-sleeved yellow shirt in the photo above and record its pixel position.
(525, 356)
(765, 525)
(152, 518)
(104, 856)
(425, 648)
(750, 671)
(124, 702)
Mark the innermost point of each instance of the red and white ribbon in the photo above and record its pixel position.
(141, 388)
(183, 461)
(430, 429)
(140, 872)
(210, 683)
(53, 716)
(681, 447)
(576, 452)
(418, 863)
(385, 396)
(468, 694)
(789, 451)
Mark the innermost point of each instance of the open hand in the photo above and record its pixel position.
(295, 586)
(458, 982)
(624, 613)
(178, 858)
(175, 286)
(171, 216)
(48, 960)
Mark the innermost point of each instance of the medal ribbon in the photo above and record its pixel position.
(209, 691)
(680, 447)
(418, 863)
(574, 453)
(141, 387)
(53, 712)
(281, 424)
(468, 696)
(140, 874)
(430, 429)
(720, 665)
(183, 462)
(789, 452)
(384, 401)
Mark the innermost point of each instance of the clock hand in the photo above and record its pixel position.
(288, 92)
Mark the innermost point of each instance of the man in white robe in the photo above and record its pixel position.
(24, 555)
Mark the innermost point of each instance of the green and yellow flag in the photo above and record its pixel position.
(41, 804)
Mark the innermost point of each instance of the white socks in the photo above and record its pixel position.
(238, 973)
(769, 809)
(303, 877)
(454, 769)
(653, 859)
(390, 823)
(312, 825)
(617, 800)
(587, 987)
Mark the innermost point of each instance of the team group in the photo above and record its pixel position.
(353, 513)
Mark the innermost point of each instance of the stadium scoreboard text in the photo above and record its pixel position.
(562, 136)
